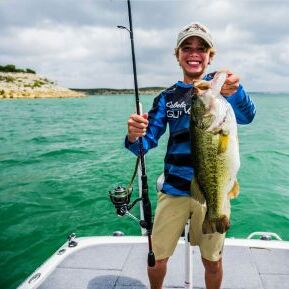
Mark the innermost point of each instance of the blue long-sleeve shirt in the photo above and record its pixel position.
(172, 107)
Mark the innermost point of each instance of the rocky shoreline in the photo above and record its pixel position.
(14, 85)
(28, 85)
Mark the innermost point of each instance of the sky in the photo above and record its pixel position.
(77, 43)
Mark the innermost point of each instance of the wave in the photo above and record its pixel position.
(65, 152)
(14, 162)
(252, 155)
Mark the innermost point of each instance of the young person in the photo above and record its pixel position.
(194, 52)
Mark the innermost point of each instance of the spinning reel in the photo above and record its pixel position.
(120, 197)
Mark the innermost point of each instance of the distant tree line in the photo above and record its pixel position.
(12, 68)
(143, 90)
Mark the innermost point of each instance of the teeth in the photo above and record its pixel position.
(193, 62)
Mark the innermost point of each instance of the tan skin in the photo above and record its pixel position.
(193, 57)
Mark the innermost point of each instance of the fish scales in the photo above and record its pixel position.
(210, 168)
(215, 152)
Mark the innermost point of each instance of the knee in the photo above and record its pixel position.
(160, 265)
(212, 267)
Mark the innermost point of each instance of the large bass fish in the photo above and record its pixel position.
(215, 152)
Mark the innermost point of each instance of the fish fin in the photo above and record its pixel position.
(223, 143)
(220, 225)
(234, 191)
(196, 191)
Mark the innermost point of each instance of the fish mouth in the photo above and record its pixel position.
(201, 85)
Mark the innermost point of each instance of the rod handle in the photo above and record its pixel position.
(151, 259)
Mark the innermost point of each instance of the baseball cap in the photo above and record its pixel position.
(195, 29)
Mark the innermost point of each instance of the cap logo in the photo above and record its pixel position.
(196, 27)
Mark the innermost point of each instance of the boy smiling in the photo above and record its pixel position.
(194, 52)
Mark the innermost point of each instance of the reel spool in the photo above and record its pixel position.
(120, 197)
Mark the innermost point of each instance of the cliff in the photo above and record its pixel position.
(29, 85)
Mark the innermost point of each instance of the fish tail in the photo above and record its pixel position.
(223, 224)
(220, 225)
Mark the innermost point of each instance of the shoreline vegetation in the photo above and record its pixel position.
(25, 83)
(18, 83)
(112, 91)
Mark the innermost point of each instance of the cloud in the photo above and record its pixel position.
(77, 43)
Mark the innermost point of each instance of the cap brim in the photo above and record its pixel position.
(201, 35)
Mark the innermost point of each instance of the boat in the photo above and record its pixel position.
(120, 262)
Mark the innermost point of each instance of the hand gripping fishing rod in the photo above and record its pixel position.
(147, 223)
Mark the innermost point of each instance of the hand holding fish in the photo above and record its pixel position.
(231, 84)
(137, 125)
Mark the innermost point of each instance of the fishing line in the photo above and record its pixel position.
(120, 197)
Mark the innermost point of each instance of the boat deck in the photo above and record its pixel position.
(120, 263)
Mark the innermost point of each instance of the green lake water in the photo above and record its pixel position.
(60, 157)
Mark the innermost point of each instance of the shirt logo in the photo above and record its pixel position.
(176, 109)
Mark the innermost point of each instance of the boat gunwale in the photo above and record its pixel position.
(84, 242)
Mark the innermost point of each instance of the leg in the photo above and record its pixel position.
(211, 247)
(157, 273)
(170, 219)
(213, 273)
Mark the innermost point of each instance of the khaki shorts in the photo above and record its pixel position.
(171, 216)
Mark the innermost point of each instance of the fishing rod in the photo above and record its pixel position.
(120, 196)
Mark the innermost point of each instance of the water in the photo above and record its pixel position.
(59, 158)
